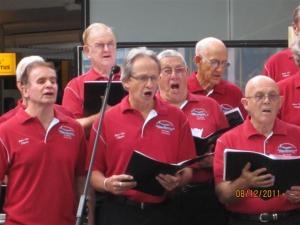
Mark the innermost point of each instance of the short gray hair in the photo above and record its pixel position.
(296, 14)
(296, 50)
(132, 56)
(170, 53)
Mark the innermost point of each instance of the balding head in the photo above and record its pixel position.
(203, 45)
(262, 102)
(257, 82)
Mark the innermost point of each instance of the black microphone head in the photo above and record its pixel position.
(115, 69)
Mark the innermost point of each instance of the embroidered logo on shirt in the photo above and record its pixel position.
(285, 74)
(23, 141)
(226, 107)
(286, 148)
(165, 126)
(120, 135)
(67, 132)
(199, 113)
(296, 105)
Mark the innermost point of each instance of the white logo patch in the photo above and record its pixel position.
(23, 141)
(120, 135)
(296, 105)
(165, 126)
(67, 132)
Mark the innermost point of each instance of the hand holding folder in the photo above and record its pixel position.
(144, 169)
(283, 168)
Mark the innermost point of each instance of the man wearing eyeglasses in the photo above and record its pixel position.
(211, 59)
(100, 47)
(196, 203)
(144, 123)
(261, 132)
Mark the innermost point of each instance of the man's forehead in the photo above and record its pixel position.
(172, 60)
(262, 86)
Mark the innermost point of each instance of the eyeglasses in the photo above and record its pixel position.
(168, 71)
(214, 63)
(145, 78)
(101, 46)
(259, 97)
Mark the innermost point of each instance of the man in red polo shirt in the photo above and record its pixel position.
(100, 47)
(197, 201)
(140, 122)
(281, 65)
(290, 89)
(42, 151)
(261, 132)
(211, 59)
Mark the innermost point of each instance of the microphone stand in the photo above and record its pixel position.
(83, 197)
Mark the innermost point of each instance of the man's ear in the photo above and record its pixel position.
(281, 99)
(197, 59)
(244, 102)
(126, 84)
(86, 51)
(19, 86)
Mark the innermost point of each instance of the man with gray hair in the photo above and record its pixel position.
(211, 59)
(281, 65)
(144, 123)
(290, 90)
(197, 200)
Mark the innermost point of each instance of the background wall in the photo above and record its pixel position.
(190, 20)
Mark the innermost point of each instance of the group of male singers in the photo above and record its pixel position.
(44, 153)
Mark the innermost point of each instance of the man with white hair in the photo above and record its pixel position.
(42, 152)
(211, 59)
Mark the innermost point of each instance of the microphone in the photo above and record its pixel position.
(83, 198)
(115, 69)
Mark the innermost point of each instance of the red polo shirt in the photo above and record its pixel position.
(280, 65)
(245, 137)
(73, 98)
(42, 167)
(290, 89)
(227, 94)
(165, 136)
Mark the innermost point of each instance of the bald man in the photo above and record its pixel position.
(211, 59)
(261, 132)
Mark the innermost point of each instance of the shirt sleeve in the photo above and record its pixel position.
(99, 163)
(72, 100)
(218, 162)
(186, 143)
(4, 159)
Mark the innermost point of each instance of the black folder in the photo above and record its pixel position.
(234, 117)
(144, 169)
(203, 144)
(94, 93)
(284, 168)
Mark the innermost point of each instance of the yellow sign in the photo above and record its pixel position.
(7, 64)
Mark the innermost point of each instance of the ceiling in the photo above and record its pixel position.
(50, 28)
